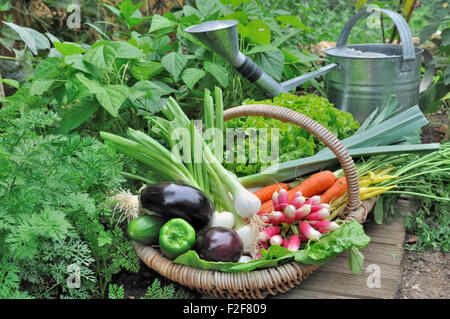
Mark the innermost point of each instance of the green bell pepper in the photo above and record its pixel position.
(176, 237)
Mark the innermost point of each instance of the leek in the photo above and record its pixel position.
(375, 139)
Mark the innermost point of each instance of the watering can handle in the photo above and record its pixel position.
(400, 23)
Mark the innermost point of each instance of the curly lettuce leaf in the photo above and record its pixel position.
(294, 142)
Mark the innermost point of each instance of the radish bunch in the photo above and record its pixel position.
(295, 221)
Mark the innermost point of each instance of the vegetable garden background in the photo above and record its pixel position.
(70, 70)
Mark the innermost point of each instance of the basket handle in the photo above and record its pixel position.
(400, 23)
(332, 142)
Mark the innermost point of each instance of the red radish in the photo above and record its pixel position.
(298, 194)
(263, 245)
(327, 206)
(298, 201)
(313, 200)
(283, 199)
(276, 217)
(326, 226)
(275, 200)
(268, 233)
(294, 243)
(308, 231)
(319, 215)
(285, 243)
(303, 211)
(302, 237)
(276, 240)
(289, 214)
(315, 207)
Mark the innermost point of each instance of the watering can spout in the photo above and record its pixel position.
(221, 36)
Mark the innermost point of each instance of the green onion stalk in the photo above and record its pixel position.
(198, 166)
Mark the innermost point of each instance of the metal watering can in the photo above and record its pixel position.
(359, 79)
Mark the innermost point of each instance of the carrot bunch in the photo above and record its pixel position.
(302, 210)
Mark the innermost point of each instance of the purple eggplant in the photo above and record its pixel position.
(219, 244)
(174, 200)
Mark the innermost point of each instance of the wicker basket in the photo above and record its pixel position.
(258, 284)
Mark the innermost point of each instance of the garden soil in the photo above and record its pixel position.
(426, 275)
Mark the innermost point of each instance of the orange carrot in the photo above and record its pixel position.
(314, 185)
(264, 194)
(267, 207)
(338, 189)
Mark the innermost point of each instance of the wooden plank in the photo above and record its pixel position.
(340, 265)
(349, 285)
(300, 293)
(387, 240)
(375, 257)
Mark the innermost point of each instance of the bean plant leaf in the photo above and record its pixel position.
(190, 11)
(271, 62)
(128, 9)
(159, 22)
(101, 56)
(76, 61)
(24, 35)
(191, 76)
(125, 50)
(292, 20)
(143, 70)
(33, 39)
(207, 7)
(77, 115)
(241, 16)
(261, 48)
(110, 97)
(174, 63)
(11, 82)
(49, 68)
(40, 86)
(42, 42)
(258, 32)
(113, 9)
(68, 48)
(218, 71)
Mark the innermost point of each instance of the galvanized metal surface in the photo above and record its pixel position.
(363, 84)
